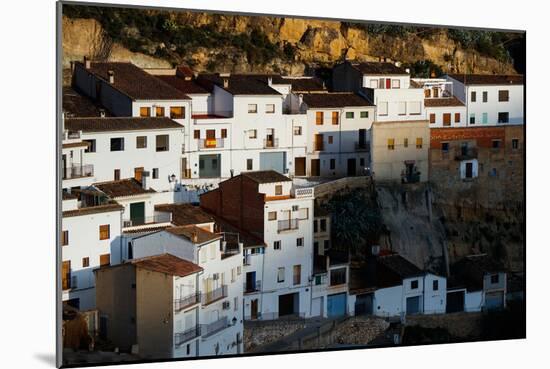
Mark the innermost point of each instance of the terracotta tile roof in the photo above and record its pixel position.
(92, 210)
(238, 84)
(488, 79)
(78, 105)
(185, 214)
(379, 68)
(194, 234)
(185, 86)
(266, 176)
(135, 82)
(75, 144)
(299, 84)
(122, 188)
(399, 265)
(335, 100)
(145, 231)
(442, 102)
(167, 263)
(469, 271)
(119, 124)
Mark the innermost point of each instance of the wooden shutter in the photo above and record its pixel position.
(335, 115)
(457, 117)
(104, 259)
(104, 232)
(138, 172)
(447, 119)
(66, 275)
(319, 118)
(432, 118)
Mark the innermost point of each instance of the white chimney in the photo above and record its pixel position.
(144, 176)
(225, 82)
(87, 63)
(102, 113)
(111, 77)
(269, 81)
(407, 70)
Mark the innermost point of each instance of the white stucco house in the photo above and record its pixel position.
(266, 205)
(90, 231)
(443, 109)
(490, 99)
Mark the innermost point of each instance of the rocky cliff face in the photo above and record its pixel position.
(310, 44)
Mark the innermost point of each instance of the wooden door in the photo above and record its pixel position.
(138, 174)
(300, 166)
(318, 142)
(315, 167)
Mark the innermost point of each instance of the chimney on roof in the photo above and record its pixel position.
(194, 237)
(102, 113)
(397, 64)
(111, 77)
(407, 70)
(225, 82)
(87, 63)
(269, 81)
(144, 176)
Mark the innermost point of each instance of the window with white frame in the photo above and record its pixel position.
(252, 108)
(395, 83)
(281, 275)
(383, 108)
(270, 108)
(402, 108)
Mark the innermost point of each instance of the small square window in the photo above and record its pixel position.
(141, 142)
(472, 118)
(85, 262)
(445, 146)
(270, 108)
(91, 145)
(276, 245)
(159, 111)
(162, 143)
(252, 108)
(503, 117)
(252, 133)
(278, 190)
(350, 115)
(300, 241)
(297, 131)
(144, 111)
(414, 285)
(503, 95)
(330, 139)
(496, 144)
(364, 114)
(272, 215)
(155, 173)
(177, 112)
(117, 144)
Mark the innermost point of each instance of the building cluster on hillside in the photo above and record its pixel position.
(182, 218)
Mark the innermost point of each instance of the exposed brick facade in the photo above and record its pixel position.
(238, 201)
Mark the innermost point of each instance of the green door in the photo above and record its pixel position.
(137, 213)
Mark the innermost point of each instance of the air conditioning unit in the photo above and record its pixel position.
(226, 305)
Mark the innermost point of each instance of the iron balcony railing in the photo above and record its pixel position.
(466, 153)
(273, 143)
(214, 327)
(362, 146)
(214, 295)
(211, 143)
(287, 225)
(184, 302)
(157, 218)
(181, 338)
(252, 287)
(78, 171)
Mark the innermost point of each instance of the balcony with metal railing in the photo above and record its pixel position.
(77, 170)
(212, 328)
(214, 295)
(466, 153)
(185, 336)
(271, 143)
(154, 219)
(211, 143)
(362, 146)
(287, 225)
(187, 301)
(252, 287)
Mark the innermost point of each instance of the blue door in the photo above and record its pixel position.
(336, 305)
